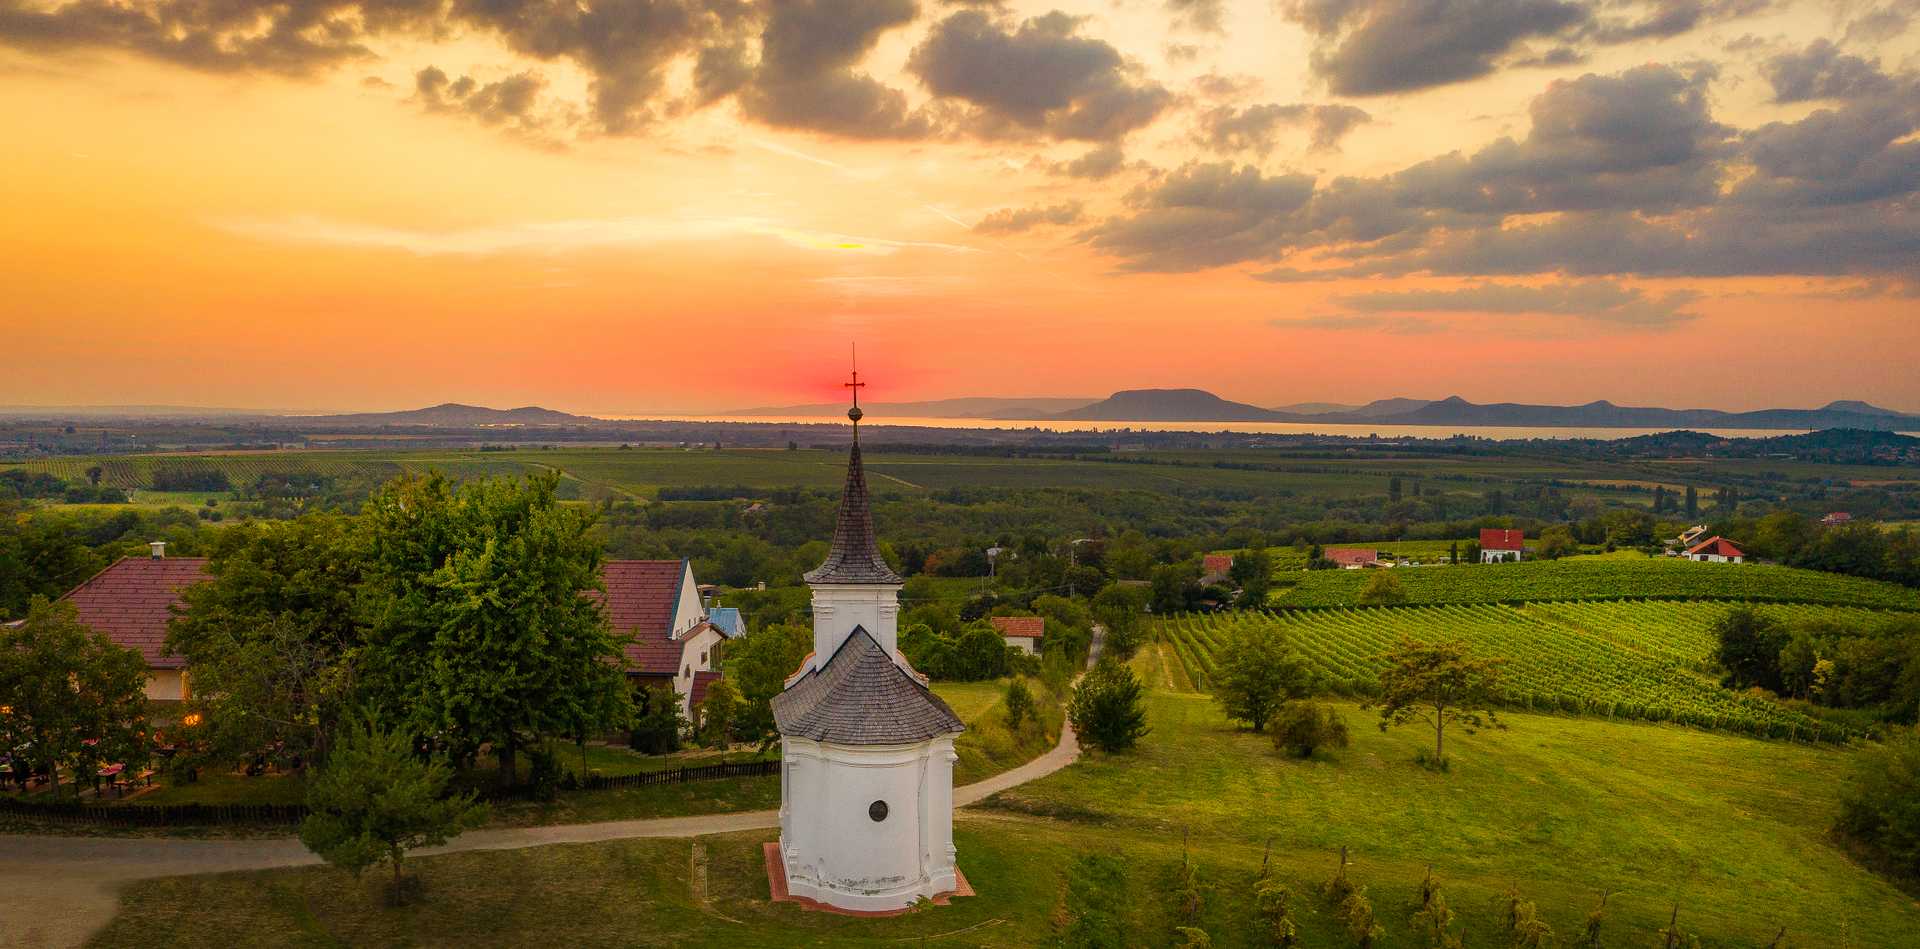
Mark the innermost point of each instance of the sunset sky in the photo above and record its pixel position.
(633, 206)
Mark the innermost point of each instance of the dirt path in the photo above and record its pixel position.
(59, 890)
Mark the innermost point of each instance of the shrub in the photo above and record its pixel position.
(1356, 913)
(1882, 809)
(1273, 901)
(1019, 703)
(1106, 709)
(1096, 890)
(1303, 728)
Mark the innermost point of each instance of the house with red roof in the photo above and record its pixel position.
(654, 601)
(1021, 632)
(1836, 518)
(1498, 544)
(1353, 558)
(1214, 568)
(131, 601)
(1716, 549)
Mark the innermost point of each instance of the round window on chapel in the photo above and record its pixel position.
(877, 810)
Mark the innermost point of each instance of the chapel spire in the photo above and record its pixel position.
(855, 555)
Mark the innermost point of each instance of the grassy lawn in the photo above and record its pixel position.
(1733, 829)
(988, 746)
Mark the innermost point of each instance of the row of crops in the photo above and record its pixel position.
(1620, 659)
(1600, 578)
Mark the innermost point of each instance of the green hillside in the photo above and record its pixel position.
(1599, 578)
(1631, 660)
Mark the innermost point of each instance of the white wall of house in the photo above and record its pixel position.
(699, 652)
(688, 612)
(1498, 556)
(1026, 644)
(1716, 558)
(167, 685)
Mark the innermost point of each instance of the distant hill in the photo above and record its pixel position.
(1198, 405)
(989, 407)
(1168, 405)
(454, 414)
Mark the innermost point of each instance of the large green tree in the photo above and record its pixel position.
(479, 627)
(1257, 673)
(376, 799)
(1252, 573)
(73, 699)
(271, 637)
(1440, 684)
(759, 663)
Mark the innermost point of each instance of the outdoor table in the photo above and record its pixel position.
(110, 772)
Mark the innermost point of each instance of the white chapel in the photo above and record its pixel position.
(866, 787)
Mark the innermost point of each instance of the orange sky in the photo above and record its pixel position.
(179, 234)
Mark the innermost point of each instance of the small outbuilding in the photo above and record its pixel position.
(1021, 632)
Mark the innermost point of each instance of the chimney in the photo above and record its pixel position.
(159, 549)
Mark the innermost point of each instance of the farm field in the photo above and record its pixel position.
(1731, 829)
(1630, 660)
(641, 472)
(1628, 577)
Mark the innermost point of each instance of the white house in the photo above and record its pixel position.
(657, 602)
(1501, 544)
(1022, 632)
(1716, 550)
(866, 787)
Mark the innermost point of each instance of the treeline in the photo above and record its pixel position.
(1874, 667)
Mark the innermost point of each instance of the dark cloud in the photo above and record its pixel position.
(1041, 78)
(1374, 47)
(1619, 175)
(1597, 300)
(508, 102)
(1216, 86)
(806, 77)
(1206, 16)
(1883, 23)
(1016, 220)
(1378, 47)
(1098, 163)
(1256, 129)
(1822, 71)
(1204, 215)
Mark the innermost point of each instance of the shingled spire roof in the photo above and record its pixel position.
(861, 696)
(855, 556)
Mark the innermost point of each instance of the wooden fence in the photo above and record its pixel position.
(91, 814)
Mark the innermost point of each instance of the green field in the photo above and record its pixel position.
(1632, 660)
(1623, 577)
(1732, 830)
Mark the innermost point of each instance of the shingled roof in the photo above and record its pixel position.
(862, 697)
(855, 556)
(132, 600)
(641, 598)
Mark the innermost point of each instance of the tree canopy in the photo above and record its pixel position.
(1438, 683)
(73, 698)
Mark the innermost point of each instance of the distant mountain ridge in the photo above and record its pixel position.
(457, 414)
(1198, 405)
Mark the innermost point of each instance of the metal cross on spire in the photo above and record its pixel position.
(856, 385)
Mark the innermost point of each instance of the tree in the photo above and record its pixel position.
(1257, 672)
(1382, 589)
(657, 724)
(1557, 542)
(1750, 643)
(479, 626)
(73, 698)
(759, 664)
(270, 638)
(719, 709)
(1106, 708)
(1019, 704)
(375, 800)
(1798, 660)
(93, 475)
(1882, 809)
(1438, 683)
(1453, 552)
(980, 653)
(1118, 608)
(1303, 728)
(1692, 502)
(1252, 574)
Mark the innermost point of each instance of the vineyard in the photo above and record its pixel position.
(1601, 579)
(1633, 660)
